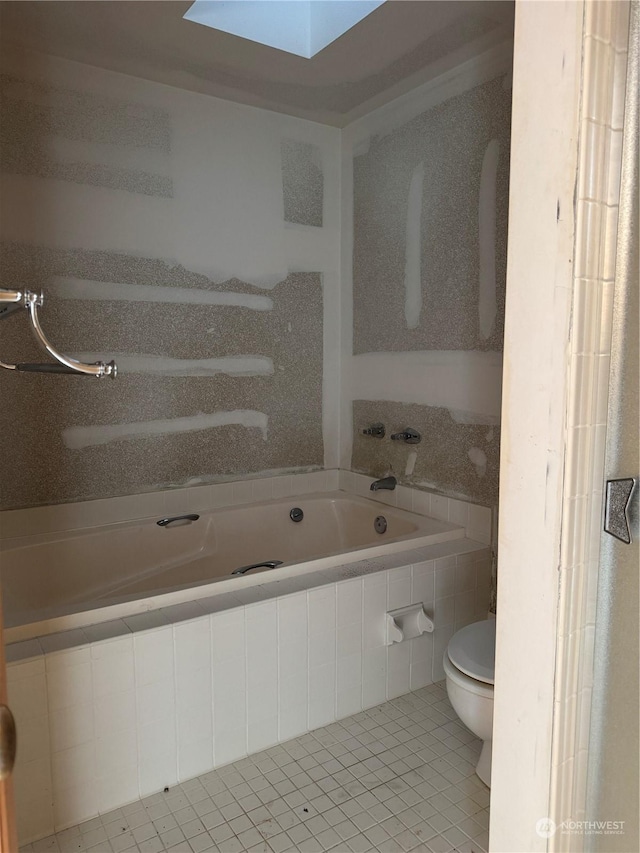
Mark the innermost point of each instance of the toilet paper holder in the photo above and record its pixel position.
(407, 623)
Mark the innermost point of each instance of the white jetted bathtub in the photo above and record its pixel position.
(54, 582)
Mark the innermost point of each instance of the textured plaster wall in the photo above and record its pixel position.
(448, 144)
(424, 276)
(157, 223)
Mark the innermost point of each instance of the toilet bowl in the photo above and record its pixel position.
(469, 666)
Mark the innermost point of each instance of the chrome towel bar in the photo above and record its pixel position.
(10, 300)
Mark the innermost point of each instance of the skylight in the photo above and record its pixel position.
(303, 27)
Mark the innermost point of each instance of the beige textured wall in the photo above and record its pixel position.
(428, 259)
(161, 227)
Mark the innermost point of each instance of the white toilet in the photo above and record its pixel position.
(469, 665)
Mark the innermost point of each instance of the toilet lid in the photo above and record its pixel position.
(472, 650)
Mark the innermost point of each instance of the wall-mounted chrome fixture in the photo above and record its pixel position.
(375, 430)
(388, 483)
(10, 301)
(409, 436)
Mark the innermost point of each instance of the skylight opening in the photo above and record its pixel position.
(302, 27)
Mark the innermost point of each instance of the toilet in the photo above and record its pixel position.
(469, 666)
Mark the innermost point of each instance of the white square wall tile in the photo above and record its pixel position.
(156, 771)
(421, 502)
(193, 644)
(69, 727)
(444, 611)
(332, 483)
(282, 487)
(459, 512)
(74, 766)
(34, 738)
(28, 696)
(32, 779)
(263, 735)
(155, 701)
(374, 666)
(322, 609)
(116, 755)
(349, 672)
(34, 818)
(292, 619)
(229, 676)
(293, 690)
(195, 758)
(422, 583)
(157, 739)
(262, 701)
(322, 695)
(322, 648)
(114, 714)
(113, 672)
(398, 669)
(229, 711)
(422, 648)
(421, 674)
(230, 746)
(228, 639)
(444, 582)
(349, 601)
(441, 637)
(404, 498)
(399, 589)
(69, 687)
(153, 655)
(480, 523)
(375, 608)
(349, 702)
(262, 638)
(292, 721)
(74, 805)
(349, 640)
(293, 657)
(440, 507)
(261, 490)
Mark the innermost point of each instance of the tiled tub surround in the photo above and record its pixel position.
(60, 581)
(398, 777)
(124, 709)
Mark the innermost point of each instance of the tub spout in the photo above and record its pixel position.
(386, 483)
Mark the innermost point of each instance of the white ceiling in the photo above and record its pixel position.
(400, 45)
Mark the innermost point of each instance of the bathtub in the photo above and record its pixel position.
(57, 582)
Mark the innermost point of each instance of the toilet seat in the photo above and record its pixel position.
(472, 650)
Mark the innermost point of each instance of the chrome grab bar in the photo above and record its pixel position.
(65, 364)
(165, 522)
(267, 564)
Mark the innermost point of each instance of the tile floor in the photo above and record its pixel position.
(396, 778)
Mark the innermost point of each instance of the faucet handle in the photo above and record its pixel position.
(375, 430)
(409, 436)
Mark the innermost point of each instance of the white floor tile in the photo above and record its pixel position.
(395, 778)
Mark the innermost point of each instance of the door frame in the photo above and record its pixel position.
(8, 833)
(568, 67)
